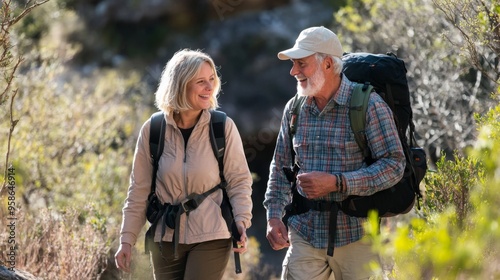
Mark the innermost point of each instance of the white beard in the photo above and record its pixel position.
(314, 84)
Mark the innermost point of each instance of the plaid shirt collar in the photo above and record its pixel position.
(341, 97)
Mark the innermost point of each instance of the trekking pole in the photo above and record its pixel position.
(237, 262)
(236, 237)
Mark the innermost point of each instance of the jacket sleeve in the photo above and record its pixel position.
(134, 211)
(237, 174)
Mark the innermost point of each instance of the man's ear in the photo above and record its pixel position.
(328, 63)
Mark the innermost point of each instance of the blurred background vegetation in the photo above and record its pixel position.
(78, 78)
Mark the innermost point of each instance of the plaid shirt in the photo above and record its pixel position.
(325, 142)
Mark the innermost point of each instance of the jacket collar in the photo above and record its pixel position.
(204, 119)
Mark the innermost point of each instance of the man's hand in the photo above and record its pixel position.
(316, 184)
(277, 234)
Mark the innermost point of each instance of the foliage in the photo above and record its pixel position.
(73, 142)
(446, 90)
(71, 149)
(451, 186)
(436, 247)
(76, 133)
(478, 23)
(9, 64)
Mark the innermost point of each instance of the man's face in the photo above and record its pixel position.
(309, 75)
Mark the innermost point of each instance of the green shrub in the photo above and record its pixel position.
(458, 233)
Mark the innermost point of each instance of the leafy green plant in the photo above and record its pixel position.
(451, 186)
(457, 235)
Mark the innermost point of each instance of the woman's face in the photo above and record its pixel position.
(201, 87)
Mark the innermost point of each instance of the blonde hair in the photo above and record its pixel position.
(179, 71)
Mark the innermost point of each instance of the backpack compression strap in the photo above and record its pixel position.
(357, 115)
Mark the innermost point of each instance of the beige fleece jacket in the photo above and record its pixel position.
(186, 171)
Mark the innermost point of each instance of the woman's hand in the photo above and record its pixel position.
(123, 257)
(243, 242)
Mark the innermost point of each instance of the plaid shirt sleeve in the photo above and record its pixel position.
(278, 193)
(385, 146)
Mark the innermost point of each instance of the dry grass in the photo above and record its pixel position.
(56, 245)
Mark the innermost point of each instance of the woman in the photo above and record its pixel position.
(187, 92)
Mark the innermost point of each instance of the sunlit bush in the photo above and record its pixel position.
(458, 236)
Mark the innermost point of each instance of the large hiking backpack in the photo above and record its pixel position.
(218, 143)
(387, 75)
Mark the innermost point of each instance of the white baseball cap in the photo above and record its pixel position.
(313, 40)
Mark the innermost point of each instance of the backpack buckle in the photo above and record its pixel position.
(189, 204)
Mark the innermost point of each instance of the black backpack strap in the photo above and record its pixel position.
(156, 143)
(218, 140)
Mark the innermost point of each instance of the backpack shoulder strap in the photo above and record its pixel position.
(156, 142)
(218, 138)
(297, 102)
(294, 111)
(357, 115)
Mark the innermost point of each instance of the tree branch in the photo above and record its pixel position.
(13, 124)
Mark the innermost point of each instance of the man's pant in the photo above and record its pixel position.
(349, 262)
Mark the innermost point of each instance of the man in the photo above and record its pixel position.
(331, 166)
